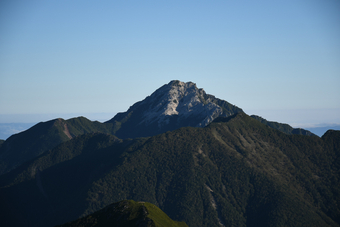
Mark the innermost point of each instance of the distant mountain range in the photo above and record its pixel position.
(8, 129)
(200, 159)
(320, 130)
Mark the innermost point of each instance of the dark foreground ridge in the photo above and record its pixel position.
(127, 213)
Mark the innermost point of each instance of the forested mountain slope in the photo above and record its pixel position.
(283, 127)
(43, 136)
(234, 172)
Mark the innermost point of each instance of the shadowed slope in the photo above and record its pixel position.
(283, 127)
(170, 107)
(235, 172)
(42, 137)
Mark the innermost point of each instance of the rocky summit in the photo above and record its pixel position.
(174, 105)
(182, 99)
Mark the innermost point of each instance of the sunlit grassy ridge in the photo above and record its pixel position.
(160, 218)
(127, 213)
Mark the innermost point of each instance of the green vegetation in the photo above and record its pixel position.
(236, 171)
(160, 218)
(29, 144)
(81, 125)
(127, 213)
(283, 127)
(44, 136)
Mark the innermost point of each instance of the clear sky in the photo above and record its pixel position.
(276, 59)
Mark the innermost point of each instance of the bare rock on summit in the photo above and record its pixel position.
(174, 105)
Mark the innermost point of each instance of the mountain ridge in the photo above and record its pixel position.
(173, 105)
(126, 213)
(236, 171)
(283, 127)
(42, 137)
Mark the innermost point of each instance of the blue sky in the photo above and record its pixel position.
(276, 59)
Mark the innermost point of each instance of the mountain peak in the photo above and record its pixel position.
(177, 83)
(175, 98)
(174, 105)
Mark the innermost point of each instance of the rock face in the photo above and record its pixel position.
(172, 106)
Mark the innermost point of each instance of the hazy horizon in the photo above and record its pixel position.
(13, 124)
(278, 60)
